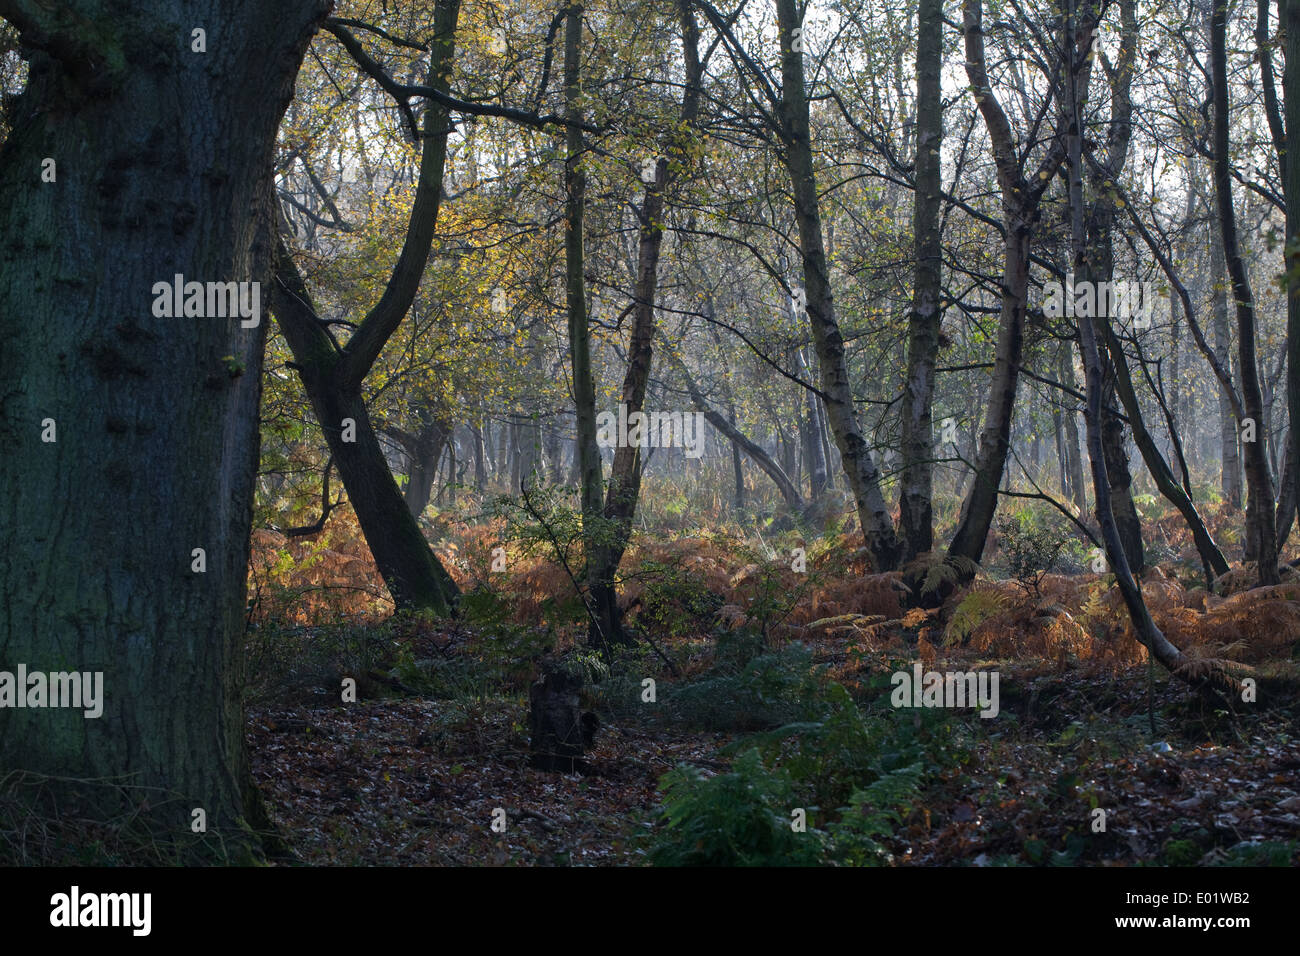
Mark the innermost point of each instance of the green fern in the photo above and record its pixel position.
(741, 818)
(975, 608)
(940, 571)
(872, 814)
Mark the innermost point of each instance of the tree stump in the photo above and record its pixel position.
(560, 731)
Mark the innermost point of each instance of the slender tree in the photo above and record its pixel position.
(575, 291)
(625, 475)
(333, 376)
(1079, 37)
(1021, 196)
(916, 520)
(1291, 171)
(1261, 529)
(836, 384)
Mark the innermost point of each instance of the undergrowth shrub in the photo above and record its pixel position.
(738, 818)
(302, 580)
(1029, 544)
(1264, 853)
(849, 746)
(312, 657)
(763, 692)
(674, 600)
(873, 814)
(862, 770)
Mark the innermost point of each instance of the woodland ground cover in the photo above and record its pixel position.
(777, 697)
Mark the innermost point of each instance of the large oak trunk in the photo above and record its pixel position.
(163, 157)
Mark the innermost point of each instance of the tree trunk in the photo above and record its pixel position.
(1144, 627)
(1290, 14)
(480, 459)
(424, 452)
(1076, 487)
(333, 377)
(1020, 200)
(453, 475)
(810, 429)
(1098, 266)
(1230, 467)
(1260, 522)
(1119, 476)
(554, 452)
(789, 490)
(501, 461)
(625, 474)
(516, 456)
(737, 468)
(1286, 495)
(155, 439)
(837, 391)
(528, 450)
(823, 434)
(789, 458)
(916, 519)
(584, 388)
(1164, 478)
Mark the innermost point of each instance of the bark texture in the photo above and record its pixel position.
(836, 386)
(163, 160)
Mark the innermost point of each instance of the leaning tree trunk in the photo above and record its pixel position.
(789, 491)
(1099, 267)
(1021, 197)
(334, 377)
(1145, 628)
(129, 439)
(837, 391)
(625, 475)
(1211, 556)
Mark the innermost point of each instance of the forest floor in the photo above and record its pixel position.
(1094, 758)
(416, 782)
